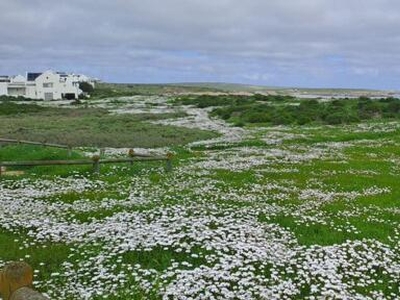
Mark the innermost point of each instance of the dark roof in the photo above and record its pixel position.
(32, 76)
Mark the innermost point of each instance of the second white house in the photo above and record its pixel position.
(47, 86)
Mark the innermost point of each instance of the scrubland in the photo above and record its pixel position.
(258, 211)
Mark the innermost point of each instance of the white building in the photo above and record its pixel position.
(4, 81)
(16, 86)
(50, 85)
(47, 86)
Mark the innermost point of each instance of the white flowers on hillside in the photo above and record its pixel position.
(223, 225)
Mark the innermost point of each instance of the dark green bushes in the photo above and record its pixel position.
(13, 98)
(273, 112)
(11, 108)
(86, 87)
(203, 101)
(230, 100)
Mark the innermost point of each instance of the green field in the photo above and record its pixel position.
(270, 212)
(91, 127)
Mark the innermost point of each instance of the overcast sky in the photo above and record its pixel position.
(297, 43)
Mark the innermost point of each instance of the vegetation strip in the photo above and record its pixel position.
(287, 110)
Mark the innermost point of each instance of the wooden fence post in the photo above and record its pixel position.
(96, 164)
(102, 151)
(169, 162)
(131, 154)
(69, 151)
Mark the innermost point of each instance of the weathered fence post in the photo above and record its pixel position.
(131, 154)
(96, 164)
(169, 162)
(102, 151)
(69, 151)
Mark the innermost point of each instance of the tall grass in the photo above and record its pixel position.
(95, 127)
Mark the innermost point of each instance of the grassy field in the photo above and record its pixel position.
(281, 212)
(91, 127)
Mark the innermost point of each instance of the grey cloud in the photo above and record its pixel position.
(295, 35)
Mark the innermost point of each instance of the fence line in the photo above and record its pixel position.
(102, 150)
(131, 152)
(13, 141)
(95, 161)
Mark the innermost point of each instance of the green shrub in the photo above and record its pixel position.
(14, 99)
(86, 87)
(253, 109)
(12, 108)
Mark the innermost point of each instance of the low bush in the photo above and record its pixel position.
(13, 98)
(12, 108)
(339, 111)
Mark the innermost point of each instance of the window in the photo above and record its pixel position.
(48, 85)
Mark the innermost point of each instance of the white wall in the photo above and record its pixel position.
(47, 84)
(50, 82)
(3, 88)
(30, 91)
(71, 86)
(18, 90)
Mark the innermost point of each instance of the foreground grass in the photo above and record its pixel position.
(45, 258)
(323, 202)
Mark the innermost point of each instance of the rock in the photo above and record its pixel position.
(16, 281)
(26, 293)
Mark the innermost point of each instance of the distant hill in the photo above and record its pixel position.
(128, 89)
(328, 92)
(103, 89)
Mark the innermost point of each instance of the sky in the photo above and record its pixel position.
(292, 43)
